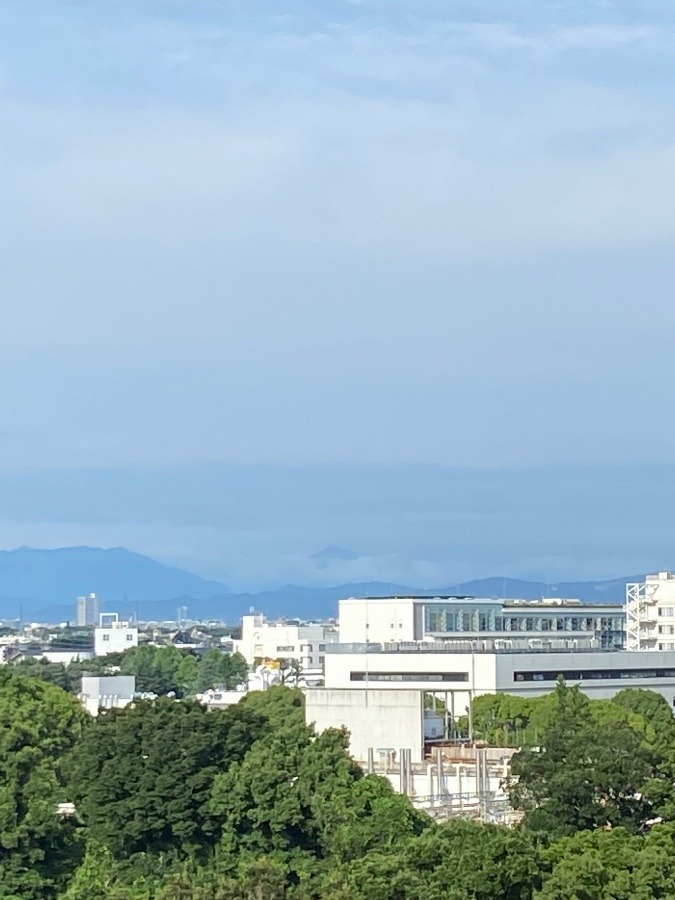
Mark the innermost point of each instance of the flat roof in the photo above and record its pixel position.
(511, 602)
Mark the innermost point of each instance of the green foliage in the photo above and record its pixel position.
(581, 776)
(95, 877)
(281, 706)
(611, 864)
(158, 670)
(299, 799)
(175, 802)
(218, 669)
(141, 776)
(39, 724)
(54, 673)
(457, 861)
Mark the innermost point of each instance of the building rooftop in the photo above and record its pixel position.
(510, 602)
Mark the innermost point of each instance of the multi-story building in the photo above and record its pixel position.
(650, 613)
(113, 636)
(303, 643)
(88, 609)
(548, 622)
(397, 653)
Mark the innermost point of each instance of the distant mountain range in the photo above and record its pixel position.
(42, 585)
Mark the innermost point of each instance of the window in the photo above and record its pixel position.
(661, 627)
(322, 647)
(597, 674)
(130, 637)
(289, 649)
(321, 659)
(106, 637)
(409, 676)
(669, 611)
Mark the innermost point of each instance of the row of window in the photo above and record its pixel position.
(594, 674)
(303, 648)
(445, 620)
(409, 676)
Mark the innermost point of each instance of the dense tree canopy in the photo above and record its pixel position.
(142, 777)
(175, 802)
(158, 670)
(39, 725)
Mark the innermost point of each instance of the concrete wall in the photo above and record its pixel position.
(379, 620)
(381, 719)
(525, 674)
(476, 673)
(106, 691)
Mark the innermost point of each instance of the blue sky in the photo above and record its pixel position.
(337, 235)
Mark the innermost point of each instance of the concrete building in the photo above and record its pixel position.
(650, 613)
(285, 641)
(378, 691)
(88, 609)
(113, 636)
(107, 692)
(410, 619)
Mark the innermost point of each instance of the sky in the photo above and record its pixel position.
(252, 251)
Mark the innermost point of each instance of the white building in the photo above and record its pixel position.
(107, 692)
(378, 693)
(650, 612)
(285, 641)
(391, 620)
(113, 636)
(88, 609)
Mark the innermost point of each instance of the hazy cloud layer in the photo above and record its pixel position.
(351, 232)
(259, 526)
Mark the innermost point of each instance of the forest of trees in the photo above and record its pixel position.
(174, 802)
(158, 670)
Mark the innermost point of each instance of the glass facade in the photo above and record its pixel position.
(446, 619)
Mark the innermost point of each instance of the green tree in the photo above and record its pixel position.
(300, 799)
(217, 668)
(187, 674)
(39, 724)
(458, 861)
(581, 776)
(95, 876)
(54, 673)
(280, 705)
(142, 776)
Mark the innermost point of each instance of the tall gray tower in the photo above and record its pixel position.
(88, 609)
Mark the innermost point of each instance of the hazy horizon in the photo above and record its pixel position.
(256, 527)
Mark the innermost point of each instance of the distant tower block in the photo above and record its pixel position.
(88, 609)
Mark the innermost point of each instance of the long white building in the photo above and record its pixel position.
(550, 622)
(394, 651)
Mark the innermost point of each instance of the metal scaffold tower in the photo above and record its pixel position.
(639, 599)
